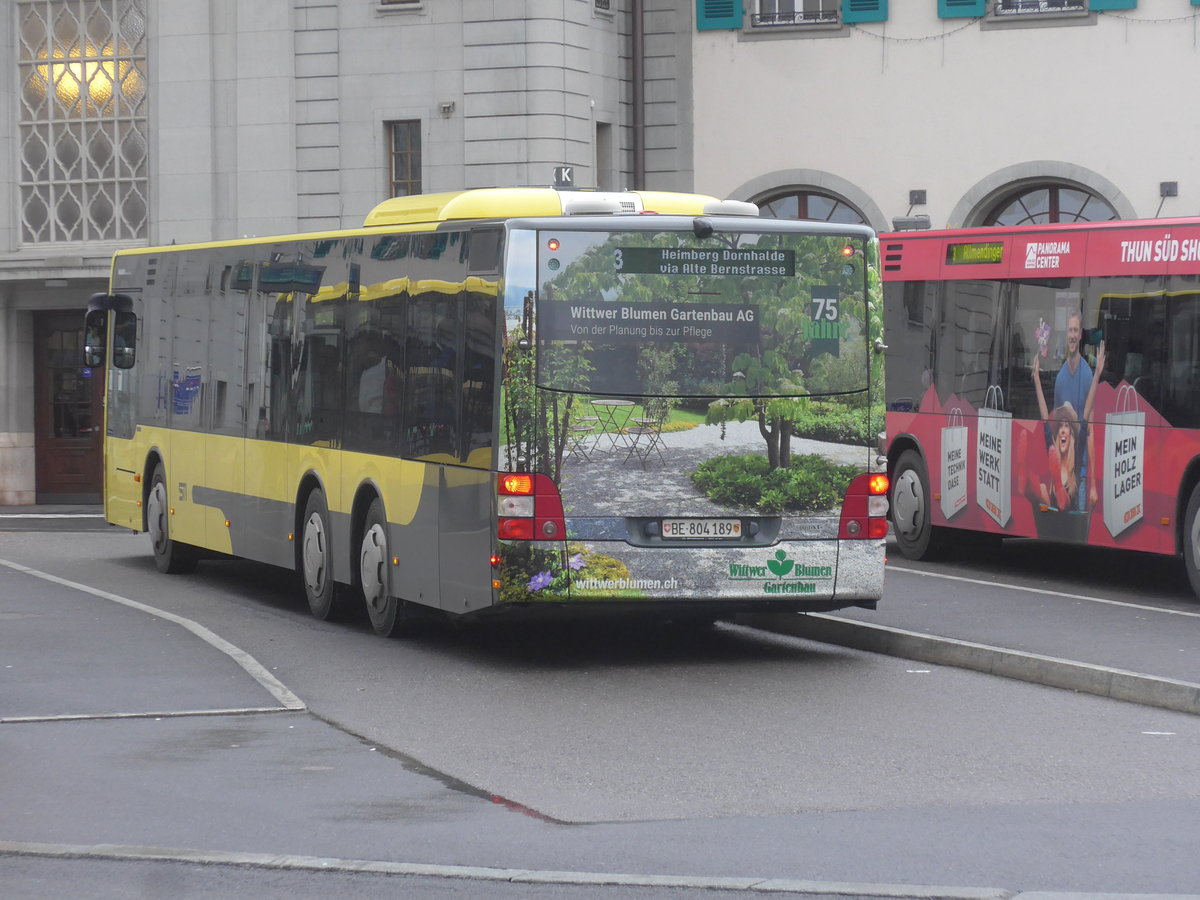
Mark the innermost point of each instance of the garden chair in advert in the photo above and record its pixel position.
(645, 432)
(581, 438)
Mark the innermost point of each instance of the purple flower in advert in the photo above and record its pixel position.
(576, 562)
(539, 581)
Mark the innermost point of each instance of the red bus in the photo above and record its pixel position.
(1043, 381)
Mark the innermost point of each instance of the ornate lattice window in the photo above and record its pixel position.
(82, 120)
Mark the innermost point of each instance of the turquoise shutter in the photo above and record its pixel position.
(712, 14)
(1115, 4)
(956, 9)
(864, 10)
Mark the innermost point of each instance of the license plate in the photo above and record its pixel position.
(702, 529)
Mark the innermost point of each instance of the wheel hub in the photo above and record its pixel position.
(372, 560)
(1195, 536)
(908, 511)
(156, 508)
(315, 553)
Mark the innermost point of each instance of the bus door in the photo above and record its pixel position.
(467, 489)
(223, 411)
(121, 492)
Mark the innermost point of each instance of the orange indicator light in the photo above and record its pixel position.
(514, 483)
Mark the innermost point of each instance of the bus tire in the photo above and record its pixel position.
(1191, 540)
(170, 556)
(316, 560)
(911, 510)
(388, 614)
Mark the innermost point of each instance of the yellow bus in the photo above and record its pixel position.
(504, 400)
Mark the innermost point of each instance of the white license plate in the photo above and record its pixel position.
(702, 529)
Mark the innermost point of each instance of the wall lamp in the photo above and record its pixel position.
(447, 107)
(910, 223)
(1166, 189)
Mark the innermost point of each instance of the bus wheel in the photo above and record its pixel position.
(316, 559)
(388, 617)
(910, 506)
(1191, 540)
(170, 556)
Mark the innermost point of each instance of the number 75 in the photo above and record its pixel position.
(825, 308)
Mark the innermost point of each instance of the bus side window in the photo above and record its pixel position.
(1180, 402)
(94, 332)
(124, 339)
(431, 380)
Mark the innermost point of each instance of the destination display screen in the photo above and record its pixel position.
(976, 253)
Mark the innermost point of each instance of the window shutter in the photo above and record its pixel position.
(712, 14)
(864, 10)
(960, 9)
(1115, 4)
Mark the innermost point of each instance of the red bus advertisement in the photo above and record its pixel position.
(1043, 381)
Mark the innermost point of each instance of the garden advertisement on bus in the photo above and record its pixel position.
(688, 397)
(1050, 378)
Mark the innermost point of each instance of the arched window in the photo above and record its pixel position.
(1049, 203)
(809, 205)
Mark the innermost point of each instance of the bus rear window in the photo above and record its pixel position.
(670, 313)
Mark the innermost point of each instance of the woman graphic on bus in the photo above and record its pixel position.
(1061, 486)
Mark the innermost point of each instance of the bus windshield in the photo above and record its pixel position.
(739, 314)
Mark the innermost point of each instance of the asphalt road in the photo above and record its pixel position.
(766, 759)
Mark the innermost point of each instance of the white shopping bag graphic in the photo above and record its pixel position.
(993, 454)
(1124, 462)
(954, 464)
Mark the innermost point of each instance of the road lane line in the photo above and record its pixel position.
(252, 667)
(1046, 591)
(51, 516)
(173, 714)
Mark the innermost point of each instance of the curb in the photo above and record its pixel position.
(1116, 684)
(513, 876)
(793, 886)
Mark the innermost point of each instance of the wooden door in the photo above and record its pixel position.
(68, 412)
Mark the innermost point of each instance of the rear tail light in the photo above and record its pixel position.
(528, 508)
(864, 508)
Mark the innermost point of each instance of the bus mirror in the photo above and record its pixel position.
(124, 339)
(94, 328)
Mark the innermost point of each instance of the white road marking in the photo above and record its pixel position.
(51, 516)
(1046, 591)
